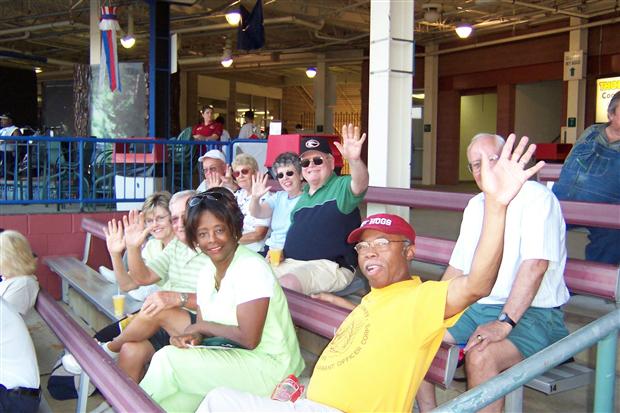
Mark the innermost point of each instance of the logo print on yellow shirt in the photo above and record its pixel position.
(348, 342)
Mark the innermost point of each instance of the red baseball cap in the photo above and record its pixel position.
(388, 223)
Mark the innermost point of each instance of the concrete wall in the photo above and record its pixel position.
(58, 234)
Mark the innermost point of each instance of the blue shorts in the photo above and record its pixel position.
(538, 327)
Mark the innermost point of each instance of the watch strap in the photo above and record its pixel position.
(503, 317)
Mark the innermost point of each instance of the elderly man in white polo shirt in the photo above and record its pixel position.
(522, 314)
(215, 171)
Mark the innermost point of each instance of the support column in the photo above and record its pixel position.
(320, 94)
(159, 70)
(576, 94)
(231, 115)
(191, 98)
(95, 34)
(431, 81)
(390, 87)
(505, 109)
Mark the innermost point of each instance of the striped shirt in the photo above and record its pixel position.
(178, 266)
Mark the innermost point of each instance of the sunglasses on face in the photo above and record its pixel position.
(244, 171)
(211, 196)
(280, 175)
(317, 160)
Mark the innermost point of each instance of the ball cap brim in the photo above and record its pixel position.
(387, 223)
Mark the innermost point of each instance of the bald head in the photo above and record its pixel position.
(483, 144)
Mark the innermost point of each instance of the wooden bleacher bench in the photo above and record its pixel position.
(98, 367)
(576, 213)
(549, 174)
(324, 318)
(581, 277)
(76, 274)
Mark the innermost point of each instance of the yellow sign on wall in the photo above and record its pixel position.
(605, 89)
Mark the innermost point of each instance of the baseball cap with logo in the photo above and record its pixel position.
(314, 143)
(388, 223)
(6, 115)
(213, 154)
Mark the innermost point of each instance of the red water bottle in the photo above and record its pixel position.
(288, 390)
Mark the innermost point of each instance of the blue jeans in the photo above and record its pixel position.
(591, 173)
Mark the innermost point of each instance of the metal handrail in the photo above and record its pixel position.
(61, 170)
(603, 331)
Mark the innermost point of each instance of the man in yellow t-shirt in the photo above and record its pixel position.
(383, 349)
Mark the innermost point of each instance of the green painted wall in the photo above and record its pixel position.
(478, 114)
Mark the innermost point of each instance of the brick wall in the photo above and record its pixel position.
(58, 234)
(298, 101)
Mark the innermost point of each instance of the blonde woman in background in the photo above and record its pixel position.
(159, 226)
(19, 286)
(255, 230)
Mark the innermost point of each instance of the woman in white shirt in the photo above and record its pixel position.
(255, 230)
(19, 286)
(239, 300)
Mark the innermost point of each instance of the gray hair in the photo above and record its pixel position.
(613, 104)
(286, 159)
(499, 141)
(182, 194)
(244, 159)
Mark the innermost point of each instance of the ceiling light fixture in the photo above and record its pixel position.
(128, 41)
(432, 12)
(463, 30)
(233, 17)
(311, 72)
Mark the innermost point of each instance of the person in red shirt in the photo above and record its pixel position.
(208, 130)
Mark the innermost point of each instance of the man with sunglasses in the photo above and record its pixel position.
(317, 256)
(383, 349)
(215, 171)
(522, 315)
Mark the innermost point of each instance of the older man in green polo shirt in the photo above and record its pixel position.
(317, 255)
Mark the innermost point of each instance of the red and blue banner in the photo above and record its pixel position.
(109, 56)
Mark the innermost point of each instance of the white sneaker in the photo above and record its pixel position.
(113, 355)
(72, 366)
(107, 274)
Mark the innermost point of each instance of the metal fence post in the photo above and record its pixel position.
(605, 384)
(81, 173)
(514, 401)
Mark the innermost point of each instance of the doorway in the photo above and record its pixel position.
(478, 114)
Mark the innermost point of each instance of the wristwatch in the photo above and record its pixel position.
(184, 298)
(504, 318)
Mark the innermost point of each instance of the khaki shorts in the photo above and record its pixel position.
(316, 276)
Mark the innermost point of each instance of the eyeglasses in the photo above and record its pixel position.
(317, 160)
(379, 244)
(211, 196)
(158, 220)
(280, 175)
(475, 166)
(212, 169)
(244, 171)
